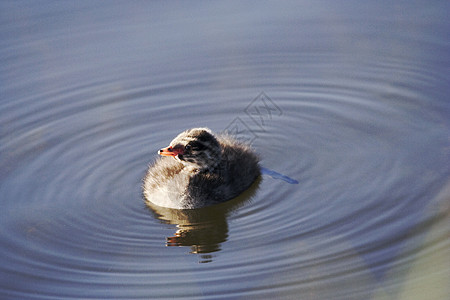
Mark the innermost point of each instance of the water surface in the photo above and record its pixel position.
(346, 102)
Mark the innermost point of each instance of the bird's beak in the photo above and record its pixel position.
(170, 151)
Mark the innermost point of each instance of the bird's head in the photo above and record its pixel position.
(195, 148)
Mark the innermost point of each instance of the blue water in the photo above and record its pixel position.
(277, 175)
(345, 102)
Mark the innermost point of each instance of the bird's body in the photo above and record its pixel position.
(207, 169)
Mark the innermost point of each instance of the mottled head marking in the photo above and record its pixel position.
(201, 150)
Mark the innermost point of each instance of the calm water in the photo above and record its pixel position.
(349, 99)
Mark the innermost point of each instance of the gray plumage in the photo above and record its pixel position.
(204, 169)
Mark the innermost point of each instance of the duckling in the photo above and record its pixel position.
(199, 169)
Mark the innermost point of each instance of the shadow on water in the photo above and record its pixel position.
(203, 229)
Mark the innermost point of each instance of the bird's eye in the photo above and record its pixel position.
(187, 147)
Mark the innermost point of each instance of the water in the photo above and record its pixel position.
(347, 104)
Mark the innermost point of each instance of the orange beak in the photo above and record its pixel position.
(170, 151)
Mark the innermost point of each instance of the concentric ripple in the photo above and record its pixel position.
(357, 117)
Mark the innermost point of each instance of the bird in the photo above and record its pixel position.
(200, 168)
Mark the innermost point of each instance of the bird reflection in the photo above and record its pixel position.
(202, 229)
